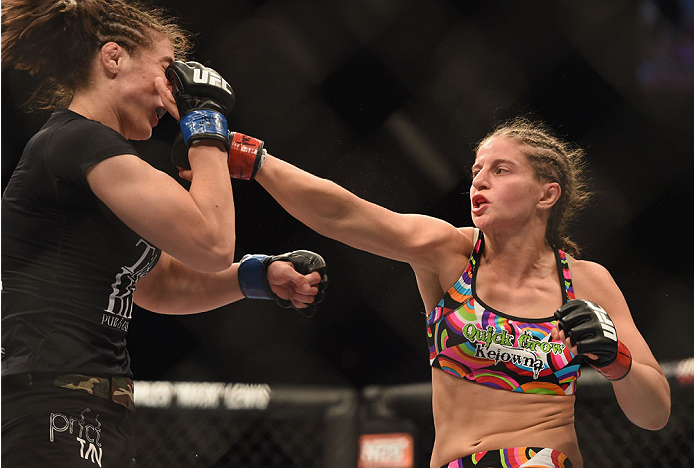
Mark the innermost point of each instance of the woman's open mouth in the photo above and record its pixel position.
(479, 203)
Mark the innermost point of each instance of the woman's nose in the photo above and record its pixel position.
(480, 180)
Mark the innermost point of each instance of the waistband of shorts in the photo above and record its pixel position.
(514, 457)
(118, 389)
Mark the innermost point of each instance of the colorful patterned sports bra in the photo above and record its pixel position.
(472, 341)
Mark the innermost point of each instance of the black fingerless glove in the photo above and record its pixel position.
(204, 99)
(253, 275)
(590, 329)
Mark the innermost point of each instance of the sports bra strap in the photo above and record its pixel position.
(475, 236)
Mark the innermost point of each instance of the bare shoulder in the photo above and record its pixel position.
(594, 282)
(452, 241)
(430, 238)
(433, 241)
(467, 235)
(589, 272)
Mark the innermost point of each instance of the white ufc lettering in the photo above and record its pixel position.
(200, 76)
(206, 77)
(605, 322)
(215, 80)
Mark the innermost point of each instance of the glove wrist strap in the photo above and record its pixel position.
(620, 367)
(204, 124)
(251, 277)
(246, 156)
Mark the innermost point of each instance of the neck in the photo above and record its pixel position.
(518, 252)
(94, 107)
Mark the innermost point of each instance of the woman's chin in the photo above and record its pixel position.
(140, 134)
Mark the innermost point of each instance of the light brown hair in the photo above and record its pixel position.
(56, 40)
(553, 160)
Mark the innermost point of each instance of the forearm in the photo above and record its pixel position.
(644, 396)
(211, 191)
(319, 203)
(294, 279)
(173, 288)
(334, 212)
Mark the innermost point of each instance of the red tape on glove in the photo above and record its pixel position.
(245, 156)
(620, 367)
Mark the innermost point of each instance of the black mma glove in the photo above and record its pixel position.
(253, 280)
(590, 329)
(246, 155)
(204, 99)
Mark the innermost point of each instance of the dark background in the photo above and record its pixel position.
(387, 98)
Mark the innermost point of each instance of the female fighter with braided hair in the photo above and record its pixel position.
(88, 227)
(511, 311)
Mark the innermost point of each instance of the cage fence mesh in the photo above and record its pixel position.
(206, 438)
(214, 425)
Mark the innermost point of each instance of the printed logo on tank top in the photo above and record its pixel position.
(119, 310)
(499, 347)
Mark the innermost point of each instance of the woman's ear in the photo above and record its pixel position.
(551, 191)
(110, 58)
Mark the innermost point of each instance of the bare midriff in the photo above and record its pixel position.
(470, 417)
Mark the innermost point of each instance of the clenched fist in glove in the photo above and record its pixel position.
(204, 99)
(590, 330)
(246, 155)
(295, 279)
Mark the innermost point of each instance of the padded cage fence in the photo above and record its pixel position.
(206, 425)
(215, 425)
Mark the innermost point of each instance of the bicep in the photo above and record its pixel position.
(148, 201)
(604, 291)
(411, 238)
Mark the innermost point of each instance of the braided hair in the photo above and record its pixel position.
(57, 40)
(553, 160)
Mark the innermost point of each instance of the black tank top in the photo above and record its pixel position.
(69, 265)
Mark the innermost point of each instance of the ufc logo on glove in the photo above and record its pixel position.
(204, 76)
(605, 322)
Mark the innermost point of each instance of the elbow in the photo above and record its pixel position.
(656, 419)
(213, 255)
(227, 259)
(655, 424)
(221, 257)
(659, 420)
(221, 262)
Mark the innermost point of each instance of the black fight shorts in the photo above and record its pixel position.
(46, 426)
